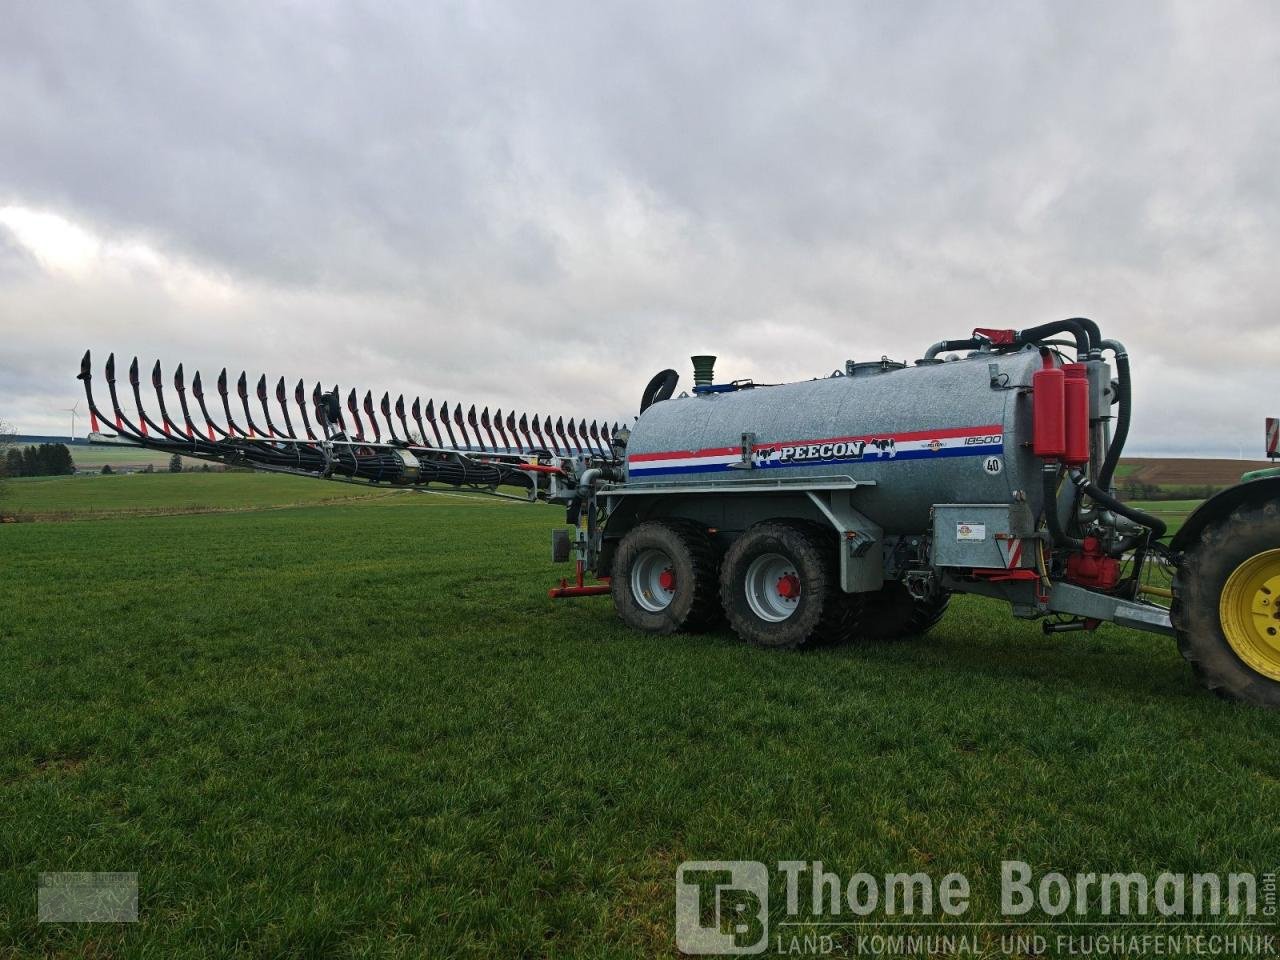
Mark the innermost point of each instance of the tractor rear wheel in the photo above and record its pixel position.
(664, 577)
(779, 588)
(891, 613)
(1226, 605)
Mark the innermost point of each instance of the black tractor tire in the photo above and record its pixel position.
(690, 557)
(822, 612)
(891, 613)
(1224, 546)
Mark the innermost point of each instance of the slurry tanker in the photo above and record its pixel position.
(850, 506)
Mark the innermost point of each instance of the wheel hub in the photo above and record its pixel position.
(789, 587)
(773, 587)
(1249, 610)
(653, 580)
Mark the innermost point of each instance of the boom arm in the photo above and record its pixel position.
(407, 461)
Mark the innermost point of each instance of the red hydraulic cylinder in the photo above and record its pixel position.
(1048, 411)
(1076, 397)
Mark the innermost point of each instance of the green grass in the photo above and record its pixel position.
(1173, 512)
(161, 493)
(363, 729)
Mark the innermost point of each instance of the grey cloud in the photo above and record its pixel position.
(547, 202)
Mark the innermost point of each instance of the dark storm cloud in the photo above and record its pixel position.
(549, 201)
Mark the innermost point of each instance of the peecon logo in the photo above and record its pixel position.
(817, 452)
(722, 907)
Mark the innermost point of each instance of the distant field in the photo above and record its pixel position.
(362, 729)
(1171, 472)
(120, 457)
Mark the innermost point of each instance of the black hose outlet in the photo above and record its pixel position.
(660, 388)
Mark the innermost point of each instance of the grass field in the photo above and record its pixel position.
(95, 496)
(362, 729)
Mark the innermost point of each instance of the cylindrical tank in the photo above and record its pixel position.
(1076, 398)
(954, 432)
(1049, 411)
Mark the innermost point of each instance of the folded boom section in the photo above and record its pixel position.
(370, 442)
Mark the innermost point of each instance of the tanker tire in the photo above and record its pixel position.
(694, 605)
(891, 613)
(823, 613)
(1223, 546)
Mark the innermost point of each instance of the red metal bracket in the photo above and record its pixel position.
(998, 338)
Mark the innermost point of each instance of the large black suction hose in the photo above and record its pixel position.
(660, 388)
(1098, 495)
(1056, 533)
(1095, 335)
(1045, 330)
(1124, 396)
(943, 346)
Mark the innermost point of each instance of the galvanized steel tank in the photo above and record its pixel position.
(945, 432)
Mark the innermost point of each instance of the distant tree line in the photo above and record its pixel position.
(45, 460)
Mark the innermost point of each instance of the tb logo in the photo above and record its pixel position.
(722, 906)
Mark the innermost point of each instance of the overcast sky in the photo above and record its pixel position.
(541, 204)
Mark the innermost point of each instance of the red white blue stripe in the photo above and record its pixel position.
(868, 448)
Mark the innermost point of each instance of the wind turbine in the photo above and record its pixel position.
(73, 411)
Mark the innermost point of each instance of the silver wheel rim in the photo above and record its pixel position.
(773, 587)
(653, 580)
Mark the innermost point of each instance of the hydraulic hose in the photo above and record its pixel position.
(1124, 396)
(1098, 495)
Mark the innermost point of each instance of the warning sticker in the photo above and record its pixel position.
(971, 531)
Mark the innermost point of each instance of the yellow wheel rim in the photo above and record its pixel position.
(1250, 612)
